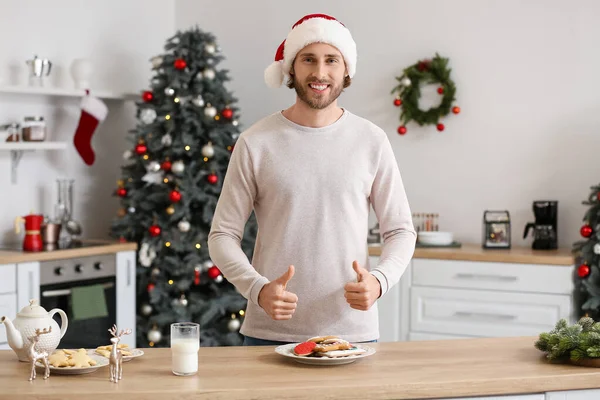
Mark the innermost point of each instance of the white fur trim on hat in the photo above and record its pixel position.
(95, 107)
(312, 30)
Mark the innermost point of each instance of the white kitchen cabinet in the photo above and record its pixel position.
(8, 308)
(8, 278)
(393, 309)
(126, 299)
(28, 283)
(588, 394)
(537, 396)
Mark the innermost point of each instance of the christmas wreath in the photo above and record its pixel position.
(408, 92)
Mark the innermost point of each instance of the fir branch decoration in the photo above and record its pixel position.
(408, 92)
(567, 343)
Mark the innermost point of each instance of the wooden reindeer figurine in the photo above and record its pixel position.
(116, 357)
(34, 355)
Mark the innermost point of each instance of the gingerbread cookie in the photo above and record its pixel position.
(339, 345)
(59, 359)
(80, 359)
(304, 349)
(344, 353)
(320, 339)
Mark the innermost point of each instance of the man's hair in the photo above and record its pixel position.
(290, 82)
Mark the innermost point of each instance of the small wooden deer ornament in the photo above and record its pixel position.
(34, 355)
(116, 357)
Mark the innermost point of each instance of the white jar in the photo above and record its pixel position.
(34, 129)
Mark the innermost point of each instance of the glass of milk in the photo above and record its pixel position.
(185, 344)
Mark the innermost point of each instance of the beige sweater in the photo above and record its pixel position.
(311, 190)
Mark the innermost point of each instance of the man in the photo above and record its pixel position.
(311, 173)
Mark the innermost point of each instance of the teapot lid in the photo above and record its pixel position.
(33, 310)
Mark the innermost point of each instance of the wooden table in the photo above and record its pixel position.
(400, 370)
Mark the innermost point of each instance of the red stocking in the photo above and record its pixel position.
(93, 112)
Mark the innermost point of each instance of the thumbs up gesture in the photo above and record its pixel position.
(364, 292)
(275, 300)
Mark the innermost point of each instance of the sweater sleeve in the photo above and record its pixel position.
(231, 214)
(391, 207)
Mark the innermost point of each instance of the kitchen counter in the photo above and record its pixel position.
(103, 247)
(399, 370)
(474, 252)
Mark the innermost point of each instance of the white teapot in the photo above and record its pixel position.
(20, 331)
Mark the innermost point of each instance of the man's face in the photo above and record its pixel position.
(318, 76)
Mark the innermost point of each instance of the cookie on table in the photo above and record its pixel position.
(59, 359)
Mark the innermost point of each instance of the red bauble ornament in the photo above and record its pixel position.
(148, 96)
(175, 196)
(586, 231)
(423, 65)
(227, 113)
(180, 64)
(456, 109)
(150, 287)
(140, 149)
(122, 240)
(197, 276)
(583, 271)
(166, 166)
(440, 127)
(154, 230)
(213, 272)
(398, 102)
(121, 192)
(440, 90)
(212, 178)
(402, 130)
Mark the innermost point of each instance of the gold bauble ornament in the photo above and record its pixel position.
(170, 210)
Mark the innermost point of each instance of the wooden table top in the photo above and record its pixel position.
(106, 247)
(474, 252)
(399, 370)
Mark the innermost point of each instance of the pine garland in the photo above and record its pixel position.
(408, 92)
(571, 343)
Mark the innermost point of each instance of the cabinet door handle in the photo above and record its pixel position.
(128, 273)
(466, 314)
(31, 295)
(488, 277)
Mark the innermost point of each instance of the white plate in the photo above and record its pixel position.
(134, 354)
(287, 350)
(100, 362)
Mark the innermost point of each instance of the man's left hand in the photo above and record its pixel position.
(364, 292)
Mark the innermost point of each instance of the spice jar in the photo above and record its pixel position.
(9, 132)
(34, 129)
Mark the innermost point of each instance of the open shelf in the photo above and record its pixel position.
(66, 92)
(18, 148)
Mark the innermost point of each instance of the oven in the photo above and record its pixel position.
(58, 278)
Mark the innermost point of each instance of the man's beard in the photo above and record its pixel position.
(317, 102)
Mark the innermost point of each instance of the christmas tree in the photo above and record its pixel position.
(587, 254)
(187, 125)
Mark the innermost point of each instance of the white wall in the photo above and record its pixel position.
(528, 85)
(120, 37)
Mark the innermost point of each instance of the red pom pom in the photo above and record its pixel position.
(586, 231)
(456, 109)
(440, 90)
(175, 196)
(166, 166)
(154, 230)
(227, 113)
(398, 102)
(440, 127)
(180, 64)
(402, 130)
(304, 349)
(212, 179)
(583, 271)
(140, 149)
(213, 272)
(121, 192)
(147, 96)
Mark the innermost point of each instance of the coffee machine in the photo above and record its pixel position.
(545, 235)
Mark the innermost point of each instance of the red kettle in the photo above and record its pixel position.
(33, 237)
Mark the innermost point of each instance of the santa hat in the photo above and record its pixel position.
(313, 28)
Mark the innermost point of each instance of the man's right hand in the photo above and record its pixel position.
(275, 300)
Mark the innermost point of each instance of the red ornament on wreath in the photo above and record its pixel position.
(440, 90)
(398, 102)
(166, 166)
(121, 192)
(212, 178)
(583, 271)
(180, 64)
(175, 196)
(227, 113)
(148, 96)
(154, 230)
(586, 231)
(402, 130)
(440, 127)
(214, 272)
(140, 149)
(456, 109)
